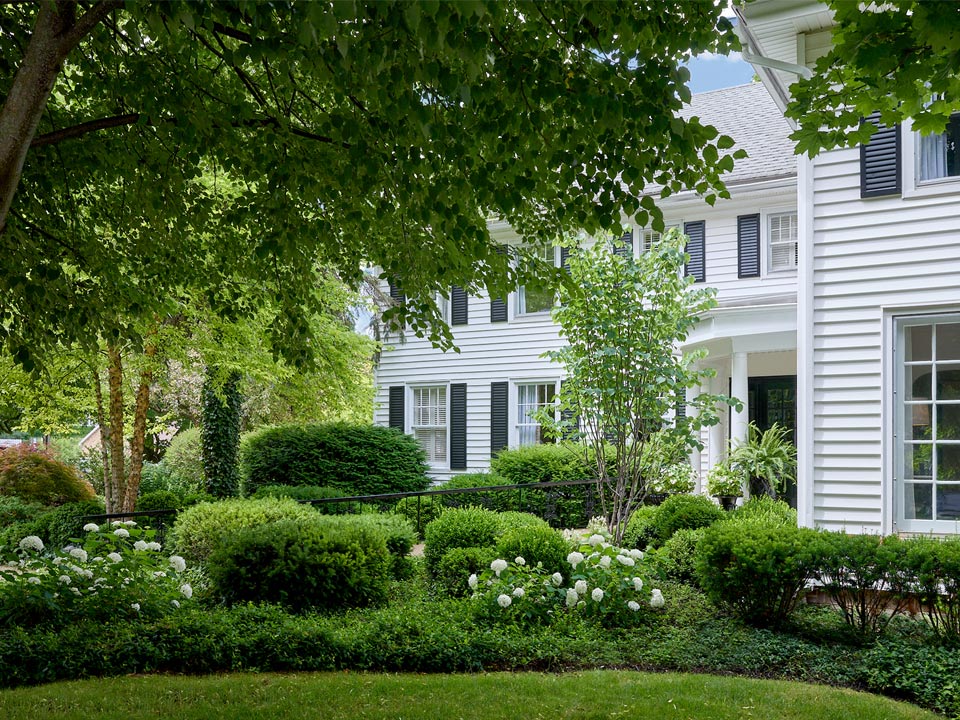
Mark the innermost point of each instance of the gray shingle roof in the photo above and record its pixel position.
(748, 114)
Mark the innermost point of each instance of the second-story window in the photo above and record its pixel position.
(538, 297)
(939, 155)
(530, 399)
(650, 238)
(782, 241)
(429, 423)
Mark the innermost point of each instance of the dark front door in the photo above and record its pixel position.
(774, 400)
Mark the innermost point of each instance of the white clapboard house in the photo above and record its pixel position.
(465, 407)
(878, 298)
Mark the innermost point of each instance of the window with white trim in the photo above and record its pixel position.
(927, 427)
(782, 230)
(429, 421)
(938, 156)
(537, 297)
(531, 398)
(650, 238)
(443, 306)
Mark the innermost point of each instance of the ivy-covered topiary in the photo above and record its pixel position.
(36, 476)
(357, 459)
(220, 432)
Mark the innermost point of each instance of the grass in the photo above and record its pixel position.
(582, 695)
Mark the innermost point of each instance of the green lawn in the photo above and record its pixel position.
(581, 695)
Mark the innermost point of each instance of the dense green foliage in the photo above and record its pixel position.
(220, 434)
(14, 509)
(159, 500)
(682, 512)
(358, 459)
(459, 528)
(36, 476)
(541, 463)
(759, 570)
(306, 492)
(676, 558)
(934, 568)
(66, 522)
(200, 529)
(457, 565)
(320, 563)
(640, 531)
(766, 509)
(183, 462)
(537, 545)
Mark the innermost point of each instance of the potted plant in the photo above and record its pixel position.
(675, 479)
(768, 459)
(726, 484)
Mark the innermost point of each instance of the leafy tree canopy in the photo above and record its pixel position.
(900, 58)
(238, 147)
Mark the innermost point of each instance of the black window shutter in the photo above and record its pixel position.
(564, 257)
(880, 161)
(458, 426)
(458, 306)
(498, 416)
(395, 410)
(748, 246)
(696, 249)
(498, 310)
(396, 293)
(567, 415)
(626, 249)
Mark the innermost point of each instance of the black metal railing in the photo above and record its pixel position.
(158, 520)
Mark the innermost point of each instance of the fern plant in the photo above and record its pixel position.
(769, 458)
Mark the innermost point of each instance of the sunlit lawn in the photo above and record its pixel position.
(513, 696)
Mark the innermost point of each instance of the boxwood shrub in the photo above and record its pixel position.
(321, 563)
(457, 565)
(535, 544)
(541, 463)
(200, 529)
(356, 459)
(640, 531)
(683, 512)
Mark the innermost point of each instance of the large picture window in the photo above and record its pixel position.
(530, 399)
(928, 421)
(429, 425)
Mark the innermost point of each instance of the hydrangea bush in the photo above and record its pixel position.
(115, 572)
(600, 582)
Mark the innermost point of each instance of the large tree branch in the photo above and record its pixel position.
(88, 21)
(75, 131)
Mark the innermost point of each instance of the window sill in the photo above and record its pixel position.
(933, 188)
(533, 317)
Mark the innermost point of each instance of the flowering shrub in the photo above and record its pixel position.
(118, 572)
(600, 582)
(676, 478)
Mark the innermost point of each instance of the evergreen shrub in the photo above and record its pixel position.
(65, 523)
(183, 463)
(535, 544)
(766, 509)
(675, 559)
(14, 509)
(36, 476)
(200, 529)
(640, 531)
(457, 565)
(357, 459)
(542, 463)
(323, 563)
(159, 500)
(683, 512)
(459, 528)
(934, 569)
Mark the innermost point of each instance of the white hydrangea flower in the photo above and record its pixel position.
(595, 540)
(79, 553)
(115, 557)
(597, 594)
(122, 533)
(75, 591)
(153, 546)
(175, 603)
(91, 527)
(518, 592)
(633, 605)
(472, 581)
(504, 601)
(656, 599)
(581, 587)
(58, 561)
(605, 545)
(159, 574)
(498, 566)
(638, 584)
(64, 579)
(130, 523)
(178, 563)
(605, 561)
(626, 560)
(98, 559)
(140, 545)
(557, 579)
(34, 580)
(31, 542)
(519, 560)
(636, 554)
(135, 606)
(186, 591)
(575, 558)
(117, 523)
(572, 597)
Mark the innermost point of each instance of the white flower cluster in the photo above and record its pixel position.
(31, 542)
(498, 566)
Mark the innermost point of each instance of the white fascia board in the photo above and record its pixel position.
(749, 329)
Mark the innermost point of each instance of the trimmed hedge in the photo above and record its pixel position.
(640, 531)
(200, 529)
(458, 564)
(321, 563)
(357, 459)
(541, 463)
(36, 476)
(535, 544)
(683, 512)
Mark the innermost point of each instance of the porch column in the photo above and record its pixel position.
(717, 444)
(739, 390)
(695, 462)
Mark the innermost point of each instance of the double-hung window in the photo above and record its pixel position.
(531, 398)
(782, 231)
(429, 423)
(927, 405)
(938, 156)
(537, 297)
(650, 238)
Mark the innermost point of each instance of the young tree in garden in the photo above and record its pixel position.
(343, 133)
(622, 320)
(898, 58)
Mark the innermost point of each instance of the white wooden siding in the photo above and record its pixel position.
(868, 256)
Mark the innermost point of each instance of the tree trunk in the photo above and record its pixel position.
(56, 32)
(139, 430)
(118, 482)
(104, 437)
